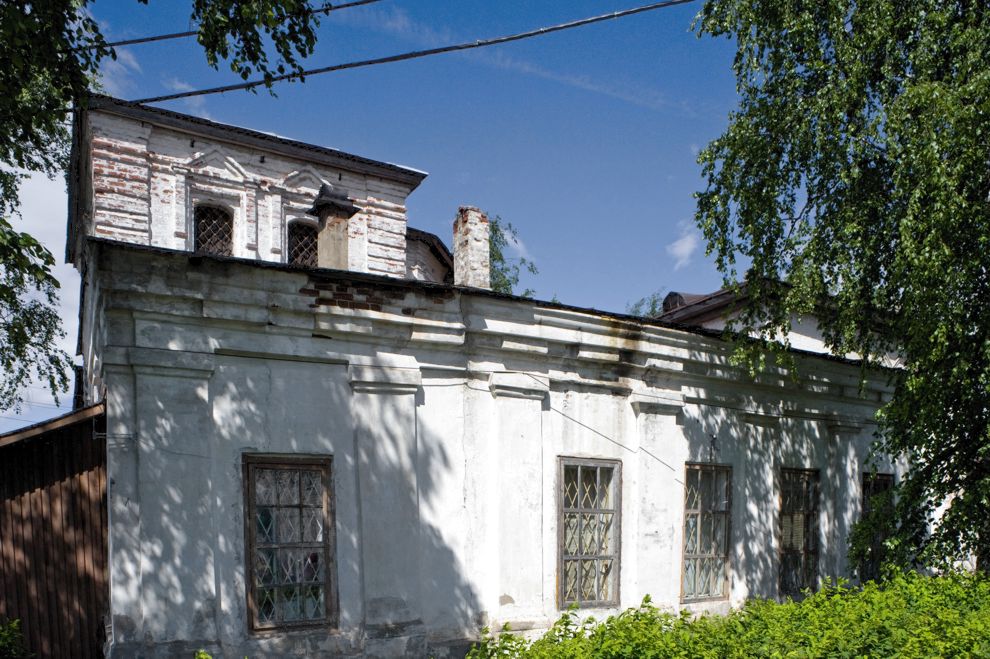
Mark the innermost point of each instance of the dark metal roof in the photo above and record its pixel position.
(691, 309)
(252, 138)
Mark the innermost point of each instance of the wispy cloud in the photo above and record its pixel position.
(683, 249)
(194, 104)
(518, 246)
(396, 22)
(117, 76)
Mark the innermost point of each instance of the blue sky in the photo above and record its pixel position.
(584, 140)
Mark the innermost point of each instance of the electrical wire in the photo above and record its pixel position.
(416, 54)
(325, 9)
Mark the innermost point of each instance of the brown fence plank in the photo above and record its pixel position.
(53, 549)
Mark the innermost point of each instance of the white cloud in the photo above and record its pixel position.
(194, 104)
(683, 249)
(518, 246)
(117, 76)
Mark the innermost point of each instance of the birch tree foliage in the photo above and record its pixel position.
(51, 53)
(856, 169)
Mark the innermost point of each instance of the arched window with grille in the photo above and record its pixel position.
(302, 244)
(214, 230)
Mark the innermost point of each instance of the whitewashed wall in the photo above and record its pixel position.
(146, 180)
(445, 413)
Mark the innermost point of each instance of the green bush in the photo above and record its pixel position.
(12, 641)
(909, 616)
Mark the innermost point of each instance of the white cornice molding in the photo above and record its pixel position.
(511, 384)
(667, 402)
(384, 379)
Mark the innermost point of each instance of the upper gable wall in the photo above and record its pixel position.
(141, 181)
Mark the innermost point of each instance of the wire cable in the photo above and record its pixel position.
(415, 54)
(325, 9)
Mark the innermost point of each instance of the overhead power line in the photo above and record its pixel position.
(470, 45)
(326, 8)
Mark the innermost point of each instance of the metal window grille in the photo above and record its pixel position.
(302, 244)
(589, 532)
(707, 511)
(214, 230)
(876, 499)
(799, 531)
(289, 536)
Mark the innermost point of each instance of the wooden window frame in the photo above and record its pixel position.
(253, 461)
(714, 467)
(812, 530)
(615, 510)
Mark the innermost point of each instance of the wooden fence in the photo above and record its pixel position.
(53, 534)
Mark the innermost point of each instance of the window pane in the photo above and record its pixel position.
(570, 581)
(570, 487)
(605, 487)
(264, 487)
(589, 577)
(691, 533)
(692, 495)
(264, 568)
(607, 579)
(606, 544)
(690, 569)
(570, 534)
(266, 605)
(265, 518)
(589, 487)
(312, 488)
(287, 527)
(312, 525)
(589, 533)
(287, 483)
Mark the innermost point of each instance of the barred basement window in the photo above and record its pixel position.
(302, 244)
(214, 230)
(289, 532)
(707, 509)
(798, 531)
(589, 532)
(878, 502)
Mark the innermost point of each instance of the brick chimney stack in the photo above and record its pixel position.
(472, 262)
(338, 244)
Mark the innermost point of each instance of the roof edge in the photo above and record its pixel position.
(253, 138)
(42, 427)
(333, 274)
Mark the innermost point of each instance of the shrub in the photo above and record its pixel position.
(909, 616)
(12, 641)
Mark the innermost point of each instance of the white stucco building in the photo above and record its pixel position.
(326, 437)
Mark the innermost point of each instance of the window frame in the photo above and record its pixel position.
(727, 571)
(812, 531)
(309, 224)
(204, 204)
(253, 461)
(616, 511)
